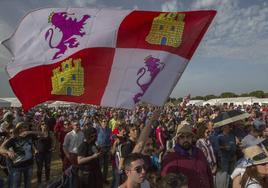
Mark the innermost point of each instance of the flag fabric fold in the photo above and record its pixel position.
(104, 57)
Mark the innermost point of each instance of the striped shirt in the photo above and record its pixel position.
(207, 149)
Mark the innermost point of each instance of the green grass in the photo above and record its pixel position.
(55, 172)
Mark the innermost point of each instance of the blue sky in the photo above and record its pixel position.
(233, 55)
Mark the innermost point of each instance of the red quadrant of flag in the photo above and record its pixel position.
(34, 85)
(136, 26)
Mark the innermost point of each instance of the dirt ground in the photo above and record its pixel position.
(56, 172)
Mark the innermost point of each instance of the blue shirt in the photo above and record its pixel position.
(213, 138)
(104, 135)
(227, 140)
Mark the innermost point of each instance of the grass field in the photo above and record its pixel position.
(56, 172)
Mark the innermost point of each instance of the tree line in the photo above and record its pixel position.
(258, 94)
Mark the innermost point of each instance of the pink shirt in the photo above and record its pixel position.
(159, 137)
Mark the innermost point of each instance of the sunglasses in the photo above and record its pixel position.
(138, 169)
(93, 136)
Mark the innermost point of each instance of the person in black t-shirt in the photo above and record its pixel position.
(50, 121)
(43, 152)
(88, 160)
(21, 163)
(127, 148)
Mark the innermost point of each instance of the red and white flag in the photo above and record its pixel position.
(105, 57)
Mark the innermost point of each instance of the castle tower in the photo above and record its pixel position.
(68, 79)
(167, 29)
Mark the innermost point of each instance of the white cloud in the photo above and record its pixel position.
(5, 31)
(204, 3)
(136, 7)
(236, 32)
(76, 3)
(82, 3)
(170, 6)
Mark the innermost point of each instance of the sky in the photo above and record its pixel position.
(232, 57)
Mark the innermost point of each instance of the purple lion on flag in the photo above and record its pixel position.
(152, 68)
(69, 28)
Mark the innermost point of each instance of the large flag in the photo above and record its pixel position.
(105, 57)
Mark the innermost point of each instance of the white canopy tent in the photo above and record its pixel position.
(57, 104)
(234, 101)
(4, 104)
(13, 101)
(195, 102)
(262, 101)
(212, 102)
(237, 100)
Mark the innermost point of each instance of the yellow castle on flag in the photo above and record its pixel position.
(167, 29)
(68, 79)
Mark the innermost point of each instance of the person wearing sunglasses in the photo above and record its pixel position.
(135, 170)
(256, 173)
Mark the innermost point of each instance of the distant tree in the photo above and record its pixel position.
(171, 99)
(197, 98)
(265, 95)
(244, 95)
(179, 99)
(228, 95)
(258, 94)
(208, 97)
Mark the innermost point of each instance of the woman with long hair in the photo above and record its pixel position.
(204, 144)
(256, 172)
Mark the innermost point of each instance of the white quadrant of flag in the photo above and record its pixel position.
(131, 74)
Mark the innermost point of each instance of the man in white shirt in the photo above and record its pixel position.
(72, 141)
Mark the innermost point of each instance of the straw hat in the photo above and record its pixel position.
(255, 155)
(184, 128)
(226, 118)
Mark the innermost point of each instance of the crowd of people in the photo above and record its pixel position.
(172, 146)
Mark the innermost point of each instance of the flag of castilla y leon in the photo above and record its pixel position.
(104, 57)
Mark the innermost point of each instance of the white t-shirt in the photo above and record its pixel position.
(250, 140)
(144, 184)
(72, 141)
(251, 183)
